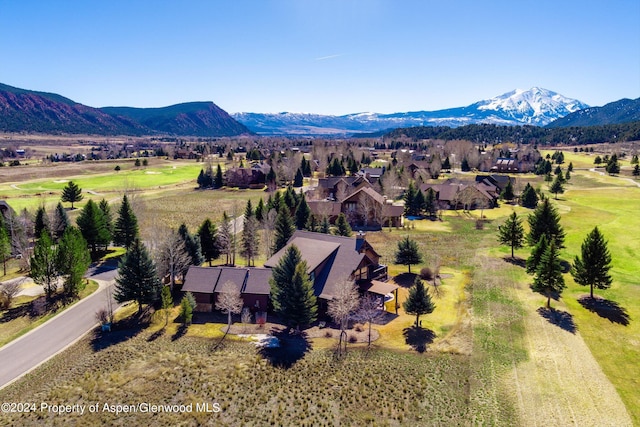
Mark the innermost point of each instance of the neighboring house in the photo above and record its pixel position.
(365, 207)
(205, 284)
(253, 177)
(497, 181)
(455, 194)
(338, 187)
(371, 173)
(506, 165)
(331, 259)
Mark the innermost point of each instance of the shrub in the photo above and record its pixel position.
(426, 273)
(117, 168)
(353, 339)
(328, 334)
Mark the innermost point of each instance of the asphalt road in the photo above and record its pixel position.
(39, 345)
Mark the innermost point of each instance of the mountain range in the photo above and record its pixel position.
(535, 106)
(31, 111)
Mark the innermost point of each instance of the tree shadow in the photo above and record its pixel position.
(560, 318)
(418, 338)
(157, 334)
(519, 262)
(606, 309)
(293, 346)
(384, 318)
(121, 331)
(566, 266)
(405, 280)
(180, 332)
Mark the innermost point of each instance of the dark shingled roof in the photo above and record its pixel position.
(201, 279)
(257, 281)
(340, 263)
(208, 280)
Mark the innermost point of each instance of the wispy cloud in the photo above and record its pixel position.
(324, 58)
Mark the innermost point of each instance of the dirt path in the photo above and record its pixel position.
(560, 383)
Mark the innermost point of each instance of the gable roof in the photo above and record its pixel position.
(257, 281)
(313, 251)
(208, 280)
(201, 279)
(379, 198)
(340, 263)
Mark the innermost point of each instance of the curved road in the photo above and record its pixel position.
(39, 345)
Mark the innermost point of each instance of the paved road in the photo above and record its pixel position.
(29, 351)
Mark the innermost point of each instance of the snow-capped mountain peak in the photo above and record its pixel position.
(536, 106)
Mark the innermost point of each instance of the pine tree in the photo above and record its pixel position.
(108, 215)
(545, 220)
(60, 221)
(299, 179)
(250, 245)
(137, 278)
(557, 187)
(93, 227)
(536, 254)
(529, 198)
(408, 253)
(218, 181)
(507, 192)
(5, 247)
(44, 265)
(548, 278)
(207, 236)
(292, 291)
(342, 226)
(325, 226)
(260, 210)
(512, 233)
(312, 224)
(636, 170)
(201, 180)
(126, 227)
(41, 222)
(592, 269)
(446, 165)
(73, 261)
(613, 166)
(167, 303)
(303, 212)
(570, 167)
(430, 202)
(464, 165)
(409, 200)
(192, 245)
(418, 301)
(284, 229)
(71, 193)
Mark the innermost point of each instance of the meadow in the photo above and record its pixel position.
(492, 355)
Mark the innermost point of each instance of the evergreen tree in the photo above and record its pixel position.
(545, 220)
(548, 278)
(5, 247)
(260, 210)
(167, 303)
(137, 278)
(613, 166)
(73, 261)
(292, 291)
(557, 187)
(558, 170)
(312, 224)
(529, 197)
(446, 165)
(570, 167)
(592, 269)
(271, 178)
(299, 179)
(192, 245)
(186, 310)
(325, 226)
(207, 235)
(536, 254)
(290, 199)
(93, 227)
(303, 212)
(634, 159)
(60, 221)
(218, 181)
(408, 253)
(44, 266)
(567, 176)
(284, 229)
(636, 170)
(512, 233)
(41, 222)
(597, 160)
(464, 165)
(126, 227)
(418, 301)
(409, 200)
(71, 193)
(507, 192)
(342, 226)
(108, 215)
(418, 202)
(250, 246)
(430, 202)
(202, 179)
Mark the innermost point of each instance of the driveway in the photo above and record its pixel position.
(39, 345)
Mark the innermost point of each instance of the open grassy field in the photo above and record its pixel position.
(492, 355)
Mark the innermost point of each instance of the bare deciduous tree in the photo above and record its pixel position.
(172, 257)
(229, 301)
(368, 311)
(342, 307)
(8, 291)
(269, 225)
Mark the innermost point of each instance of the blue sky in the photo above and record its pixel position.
(330, 57)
